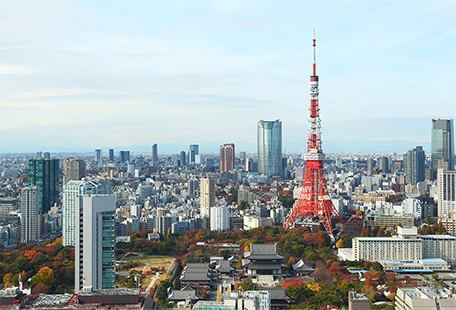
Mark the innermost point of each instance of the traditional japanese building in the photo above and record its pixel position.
(264, 259)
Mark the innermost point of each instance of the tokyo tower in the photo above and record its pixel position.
(314, 199)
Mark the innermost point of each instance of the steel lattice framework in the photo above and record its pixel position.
(314, 199)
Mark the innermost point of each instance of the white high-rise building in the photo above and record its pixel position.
(136, 211)
(220, 218)
(29, 214)
(446, 184)
(71, 191)
(94, 249)
(207, 195)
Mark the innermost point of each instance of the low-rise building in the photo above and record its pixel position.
(449, 222)
(358, 301)
(424, 298)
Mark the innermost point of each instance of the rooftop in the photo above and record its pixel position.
(52, 300)
(113, 292)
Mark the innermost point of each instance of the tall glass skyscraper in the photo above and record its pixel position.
(414, 165)
(442, 145)
(194, 148)
(44, 174)
(155, 152)
(270, 148)
(98, 157)
(111, 155)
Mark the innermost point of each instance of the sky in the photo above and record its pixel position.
(80, 75)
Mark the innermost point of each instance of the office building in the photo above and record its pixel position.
(424, 298)
(270, 148)
(227, 158)
(124, 156)
(358, 301)
(383, 164)
(446, 196)
(44, 173)
(29, 214)
(98, 157)
(74, 169)
(47, 155)
(442, 153)
(71, 191)
(163, 224)
(94, 250)
(219, 218)
(191, 157)
(194, 148)
(207, 195)
(414, 165)
(155, 153)
(182, 159)
(111, 155)
(370, 165)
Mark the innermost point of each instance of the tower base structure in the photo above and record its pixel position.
(314, 199)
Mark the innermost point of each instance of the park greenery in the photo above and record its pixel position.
(50, 267)
(45, 268)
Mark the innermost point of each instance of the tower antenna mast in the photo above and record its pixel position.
(314, 199)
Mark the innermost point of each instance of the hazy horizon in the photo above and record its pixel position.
(90, 74)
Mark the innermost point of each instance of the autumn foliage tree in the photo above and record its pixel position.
(340, 244)
(44, 276)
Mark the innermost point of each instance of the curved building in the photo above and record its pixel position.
(270, 148)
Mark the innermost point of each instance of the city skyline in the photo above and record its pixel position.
(176, 73)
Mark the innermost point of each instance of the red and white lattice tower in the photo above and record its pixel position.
(314, 199)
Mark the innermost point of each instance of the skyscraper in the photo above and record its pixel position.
(414, 165)
(191, 157)
(270, 148)
(155, 152)
(111, 155)
(182, 158)
(383, 164)
(442, 153)
(207, 195)
(94, 250)
(98, 158)
(194, 148)
(74, 169)
(29, 214)
(44, 173)
(124, 156)
(227, 157)
(71, 191)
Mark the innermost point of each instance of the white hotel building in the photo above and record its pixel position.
(407, 250)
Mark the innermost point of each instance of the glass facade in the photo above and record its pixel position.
(108, 250)
(414, 165)
(442, 145)
(270, 148)
(44, 174)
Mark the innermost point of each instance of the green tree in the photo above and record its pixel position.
(177, 284)
(377, 266)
